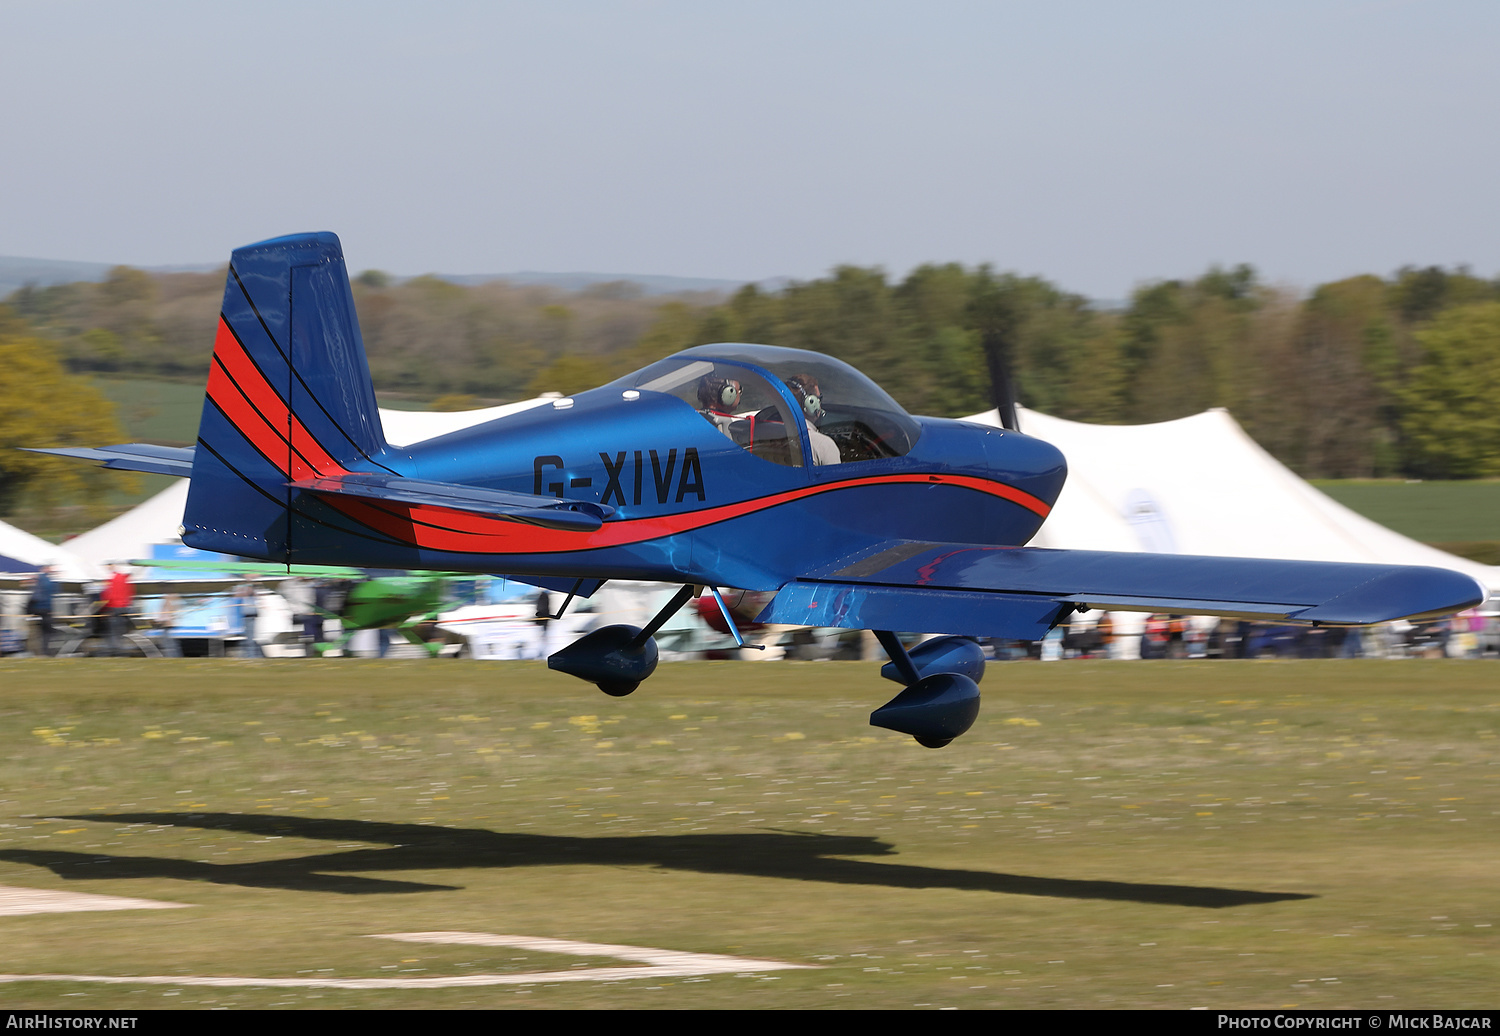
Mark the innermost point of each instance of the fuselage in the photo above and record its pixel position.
(692, 504)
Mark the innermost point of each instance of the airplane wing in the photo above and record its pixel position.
(135, 456)
(546, 511)
(1021, 592)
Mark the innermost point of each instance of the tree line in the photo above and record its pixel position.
(1369, 376)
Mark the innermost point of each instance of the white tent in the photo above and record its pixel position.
(131, 534)
(33, 550)
(1200, 485)
(404, 427)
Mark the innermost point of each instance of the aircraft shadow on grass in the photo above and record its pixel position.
(414, 847)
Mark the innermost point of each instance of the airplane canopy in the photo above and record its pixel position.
(838, 400)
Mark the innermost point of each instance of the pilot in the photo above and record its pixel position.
(717, 399)
(808, 396)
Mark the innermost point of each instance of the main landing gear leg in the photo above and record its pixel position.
(941, 699)
(617, 658)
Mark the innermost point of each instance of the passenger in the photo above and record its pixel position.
(717, 399)
(805, 390)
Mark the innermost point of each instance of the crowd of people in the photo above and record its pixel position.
(1467, 635)
(107, 615)
(109, 618)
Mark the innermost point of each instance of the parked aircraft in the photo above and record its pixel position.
(730, 465)
(365, 602)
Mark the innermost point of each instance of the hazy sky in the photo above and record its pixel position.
(1098, 144)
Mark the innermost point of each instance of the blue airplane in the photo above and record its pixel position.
(731, 465)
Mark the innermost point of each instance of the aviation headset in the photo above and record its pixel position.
(715, 392)
(806, 391)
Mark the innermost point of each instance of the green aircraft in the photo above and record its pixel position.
(401, 603)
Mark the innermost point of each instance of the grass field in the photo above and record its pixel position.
(155, 411)
(168, 411)
(1109, 835)
(1434, 512)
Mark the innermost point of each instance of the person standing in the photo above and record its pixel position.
(40, 603)
(312, 629)
(244, 599)
(543, 621)
(163, 621)
(299, 595)
(117, 598)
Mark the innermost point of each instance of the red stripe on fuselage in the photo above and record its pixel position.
(441, 528)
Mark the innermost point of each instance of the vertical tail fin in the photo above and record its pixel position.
(289, 396)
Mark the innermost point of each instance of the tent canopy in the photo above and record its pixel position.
(22, 553)
(1200, 485)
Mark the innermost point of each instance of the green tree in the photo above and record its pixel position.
(43, 405)
(1185, 345)
(1419, 295)
(675, 328)
(1452, 420)
(1344, 371)
(570, 373)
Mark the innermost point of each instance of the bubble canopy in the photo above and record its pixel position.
(862, 419)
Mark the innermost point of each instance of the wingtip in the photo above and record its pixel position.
(1410, 593)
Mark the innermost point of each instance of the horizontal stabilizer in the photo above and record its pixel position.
(136, 456)
(548, 512)
(1322, 592)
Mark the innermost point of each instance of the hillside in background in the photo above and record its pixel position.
(17, 272)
